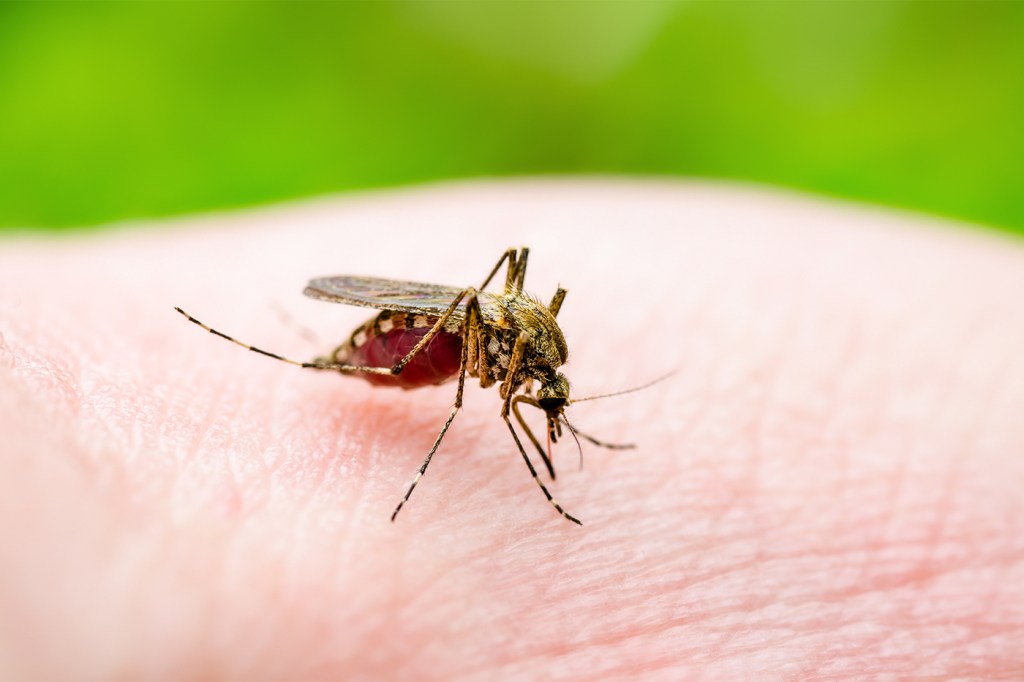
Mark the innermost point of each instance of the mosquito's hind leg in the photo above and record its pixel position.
(319, 364)
(471, 328)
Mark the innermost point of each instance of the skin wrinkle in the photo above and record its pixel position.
(274, 595)
(226, 473)
(288, 592)
(606, 641)
(901, 473)
(945, 503)
(968, 445)
(192, 469)
(766, 401)
(287, 428)
(1013, 363)
(233, 493)
(289, 577)
(311, 540)
(54, 372)
(423, 596)
(767, 644)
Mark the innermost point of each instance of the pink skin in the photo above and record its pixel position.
(831, 487)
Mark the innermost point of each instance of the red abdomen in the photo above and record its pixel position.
(436, 363)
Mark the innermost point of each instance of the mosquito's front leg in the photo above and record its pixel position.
(520, 275)
(529, 400)
(510, 256)
(516, 272)
(556, 302)
(536, 478)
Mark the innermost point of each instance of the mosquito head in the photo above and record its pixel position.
(553, 395)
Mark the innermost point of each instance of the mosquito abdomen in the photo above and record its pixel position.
(389, 337)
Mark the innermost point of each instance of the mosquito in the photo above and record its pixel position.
(428, 334)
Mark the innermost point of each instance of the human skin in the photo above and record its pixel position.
(830, 487)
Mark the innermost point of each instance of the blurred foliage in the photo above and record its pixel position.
(125, 110)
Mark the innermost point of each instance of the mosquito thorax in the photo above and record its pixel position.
(547, 350)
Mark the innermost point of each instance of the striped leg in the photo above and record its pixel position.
(334, 366)
(511, 382)
(471, 328)
(510, 256)
(516, 272)
(529, 434)
(533, 472)
(521, 269)
(556, 301)
(438, 326)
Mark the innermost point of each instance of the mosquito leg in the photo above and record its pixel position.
(478, 358)
(524, 253)
(510, 274)
(334, 366)
(426, 462)
(508, 386)
(599, 443)
(556, 302)
(529, 434)
(533, 472)
(471, 328)
(510, 256)
(516, 270)
(428, 337)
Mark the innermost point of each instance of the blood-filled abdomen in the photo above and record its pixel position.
(372, 346)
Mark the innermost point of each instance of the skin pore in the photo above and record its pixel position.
(830, 487)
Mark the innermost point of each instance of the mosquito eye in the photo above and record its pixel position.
(550, 404)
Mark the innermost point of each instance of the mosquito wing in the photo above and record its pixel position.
(389, 294)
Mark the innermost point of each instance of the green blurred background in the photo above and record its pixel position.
(129, 110)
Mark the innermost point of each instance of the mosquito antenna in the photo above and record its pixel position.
(628, 390)
(599, 443)
(578, 446)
